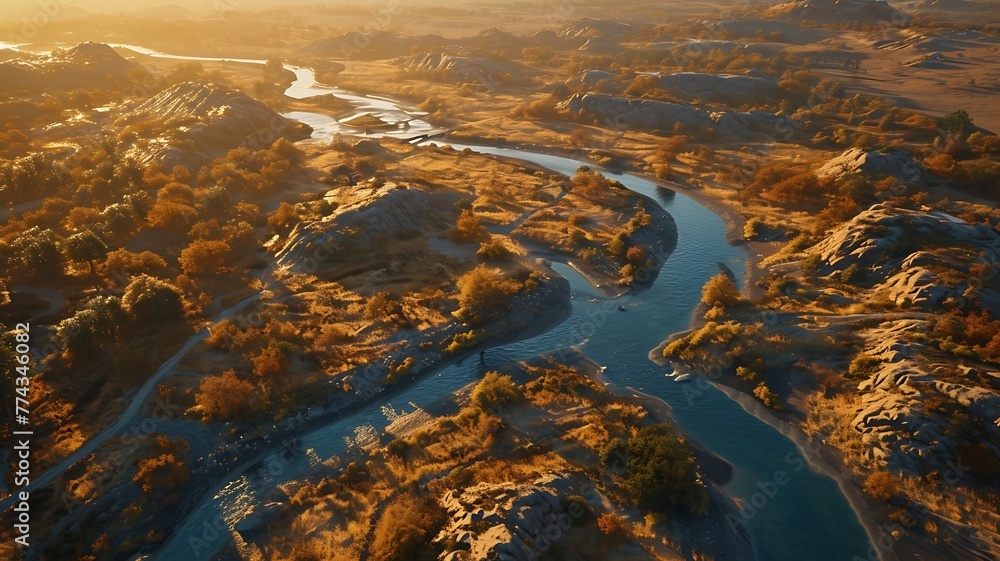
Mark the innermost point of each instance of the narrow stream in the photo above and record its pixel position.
(805, 517)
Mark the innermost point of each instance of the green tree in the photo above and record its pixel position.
(662, 472)
(152, 301)
(37, 254)
(86, 247)
(957, 123)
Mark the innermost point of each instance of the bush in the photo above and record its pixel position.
(225, 397)
(495, 391)
(493, 250)
(273, 361)
(484, 295)
(810, 265)
(720, 291)
(768, 397)
(636, 255)
(613, 526)
(406, 528)
(469, 229)
(881, 485)
(863, 365)
(850, 273)
(579, 510)
(163, 473)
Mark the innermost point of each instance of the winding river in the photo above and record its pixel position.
(793, 512)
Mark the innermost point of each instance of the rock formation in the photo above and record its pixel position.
(204, 121)
(644, 114)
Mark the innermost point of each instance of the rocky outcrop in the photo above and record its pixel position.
(588, 27)
(365, 211)
(85, 66)
(902, 427)
(644, 114)
(875, 164)
(600, 46)
(882, 239)
(464, 68)
(592, 77)
(728, 88)
(204, 121)
(506, 521)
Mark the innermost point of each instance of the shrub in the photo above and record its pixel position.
(469, 229)
(273, 361)
(720, 291)
(850, 273)
(406, 528)
(810, 265)
(863, 365)
(768, 397)
(283, 219)
(579, 510)
(493, 250)
(495, 391)
(613, 526)
(881, 484)
(484, 295)
(225, 397)
(636, 255)
(163, 473)
(747, 375)
(940, 162)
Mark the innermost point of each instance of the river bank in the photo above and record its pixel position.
(821, 457)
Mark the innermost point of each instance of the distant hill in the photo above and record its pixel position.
(85, 66)
(201, 121)
(826, 11)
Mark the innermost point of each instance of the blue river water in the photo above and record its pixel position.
(793, 512)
